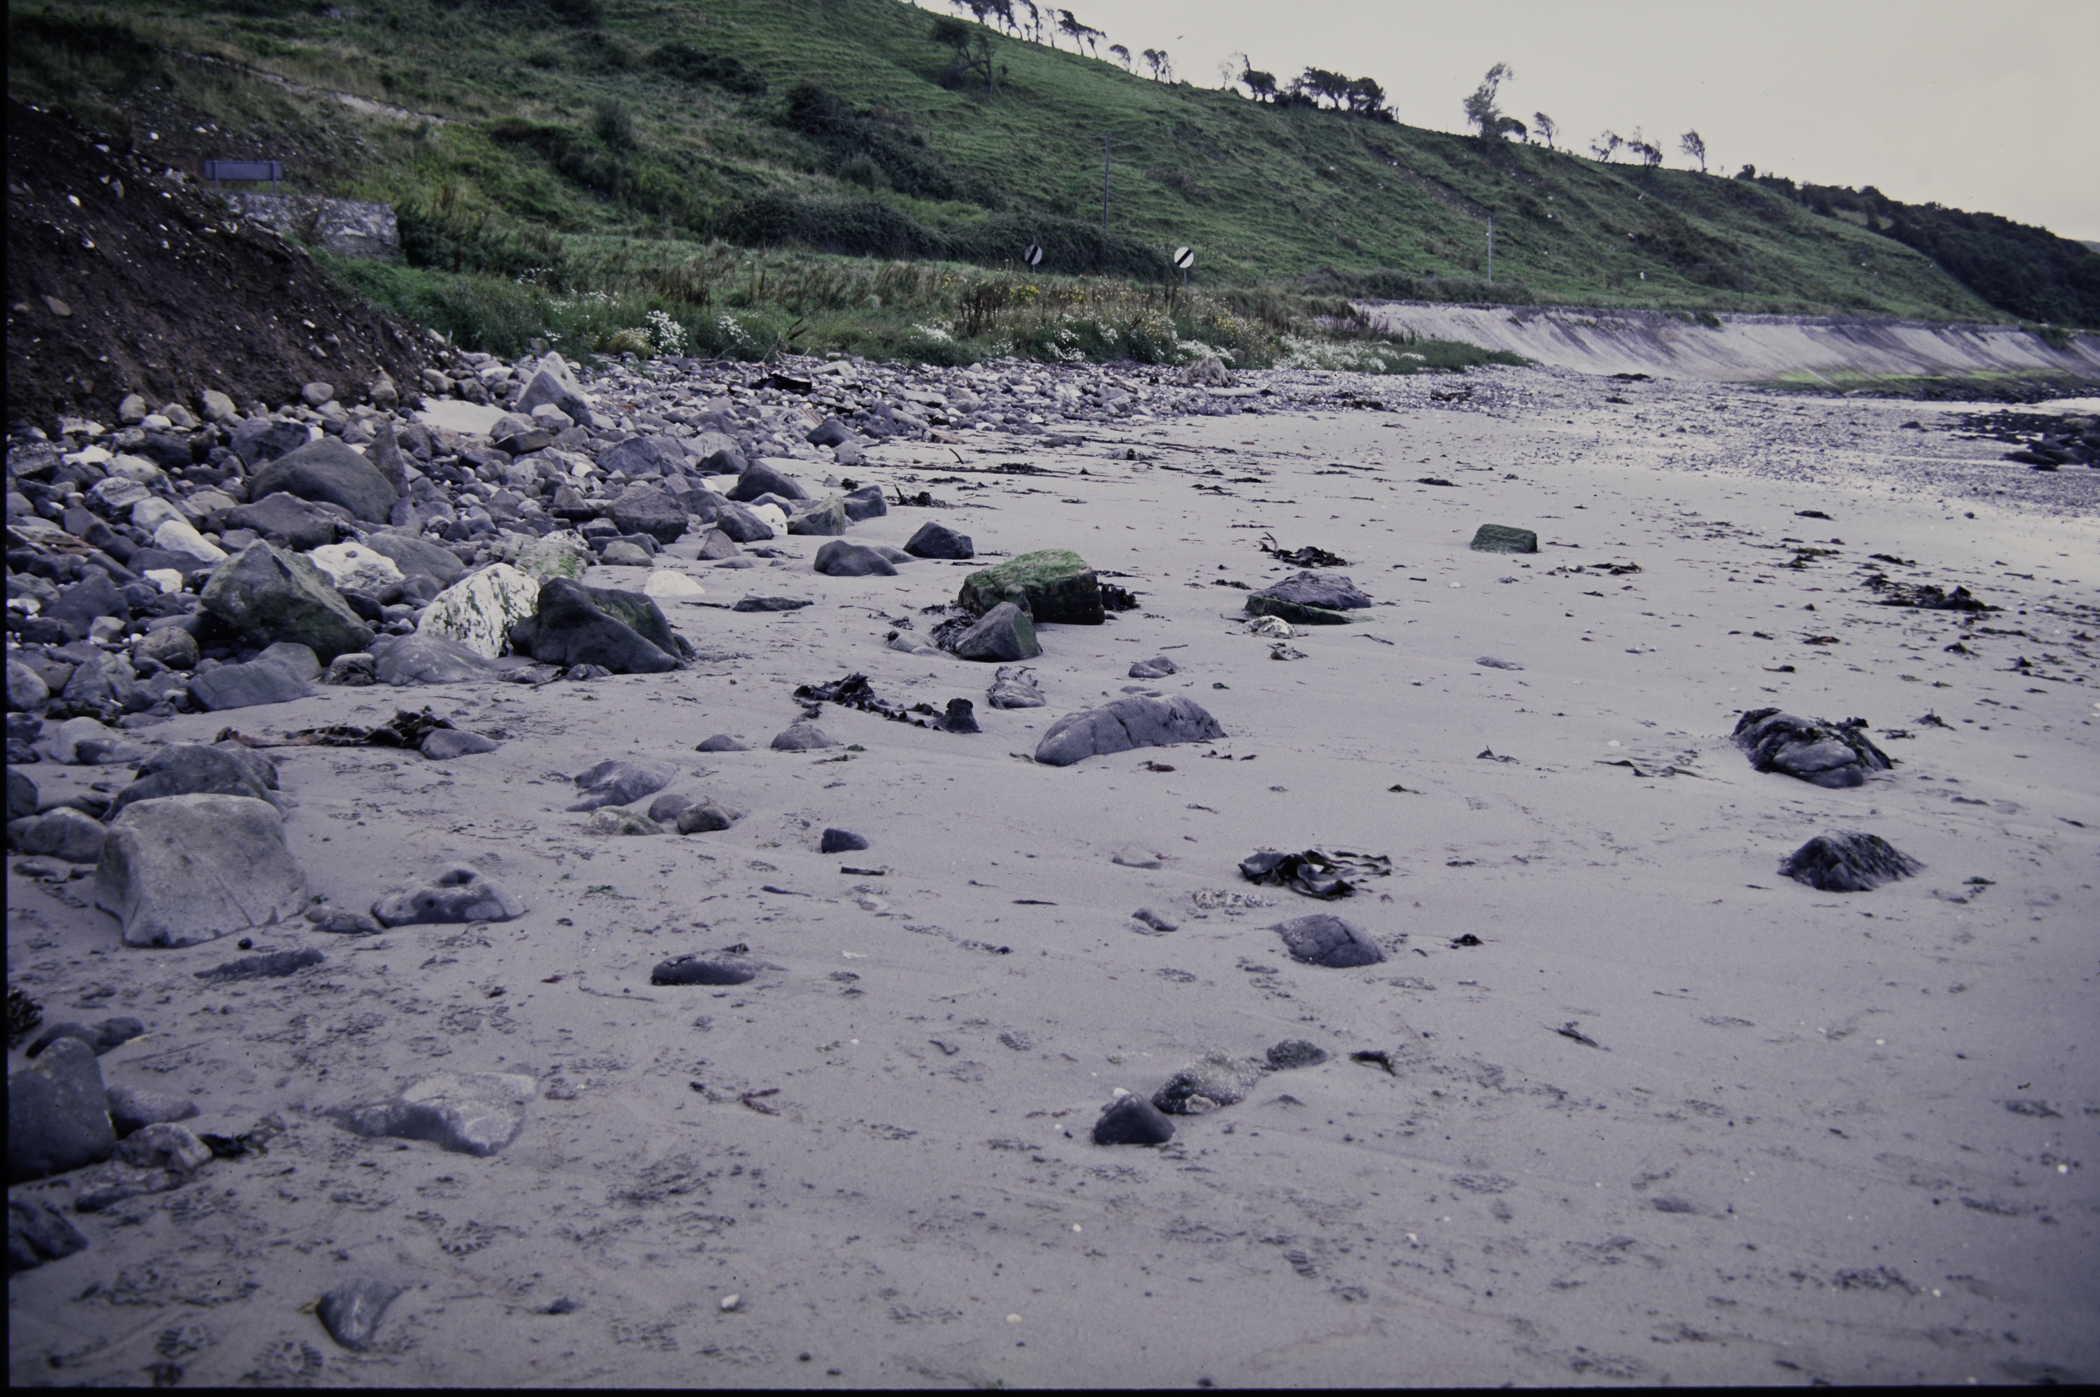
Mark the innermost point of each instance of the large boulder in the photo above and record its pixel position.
(939, 541)
(1123, 726)
(1002, 635)
(1822, 753)
(327, 471)
(761, 478)
(188, 868)
(286, 520)
(577, 625)
(57, 1114)
(194, 769)
(480, 610)
(268, 595)
(1309, 599)
(647, 509)
(1054, 584)
(417, 556)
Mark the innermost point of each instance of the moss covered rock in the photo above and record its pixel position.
(1054, 584)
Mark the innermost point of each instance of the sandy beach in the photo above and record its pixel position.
(1628, 1106)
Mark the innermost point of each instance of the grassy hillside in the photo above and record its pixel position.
(614, 147)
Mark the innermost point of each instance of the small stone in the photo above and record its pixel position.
(1850, 862)
(760, 478)
(1500, 538)
(164, 1145)
(132, 1109)
(706, 817)
(939, 541)
(704, 970)
(1135, 856)
(37, 1233)
(722, 742)
(57, 1114)
(770, 604)
(1212, 1081)
(195, 769)
(1132, 1120)
(315, 394)
(468, 1113)
(459, 894)
(1158, 667)
(275, 966)
(841, 559)
(840, 841)
(1002, 634)
(62, 833)
(1123, 725)
(1154, 920)
(355, 566)
(100, 1038)
(1325, 939)
(664, 809)
(1015, 688)
(354, 671)
(351, 1312)
(1294, 1053)
(614, 821)
(444, 744)
(802, 737)
(618, 782)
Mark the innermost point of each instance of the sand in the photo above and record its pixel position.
(1800, 1135)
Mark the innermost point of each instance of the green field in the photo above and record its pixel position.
(799, 167)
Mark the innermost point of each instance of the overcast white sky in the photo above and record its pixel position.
(1986, 105)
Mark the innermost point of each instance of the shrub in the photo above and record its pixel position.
(688, 64)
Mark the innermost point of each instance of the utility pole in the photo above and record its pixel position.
(1491, 249)
(1107, 145)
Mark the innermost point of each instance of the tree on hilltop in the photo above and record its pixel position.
(1480, 106)
(1121, 55)
(1545, 127)
(1081, 33)
(1262, 85)
(973, 52)
(1607, 146)
(1691, 144)
(1162, 66)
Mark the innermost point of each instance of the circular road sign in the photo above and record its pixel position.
(1183, 258)
(1034, 255)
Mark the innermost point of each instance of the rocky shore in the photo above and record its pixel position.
(827, 872)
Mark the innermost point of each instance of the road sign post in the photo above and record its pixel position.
(1034, 256)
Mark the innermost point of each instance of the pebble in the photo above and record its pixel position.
(1851, 862)
(1325, 939)
(1132, 1120)
(351, 1312)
